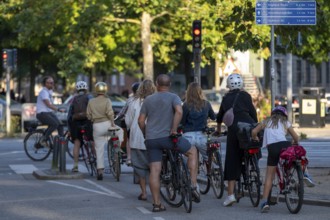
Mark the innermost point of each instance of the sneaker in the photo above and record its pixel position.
(264, 207)
(229, 200)
(195, 195)
(308, 180)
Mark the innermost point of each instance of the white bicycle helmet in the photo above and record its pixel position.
(234, 81)
(81, 85)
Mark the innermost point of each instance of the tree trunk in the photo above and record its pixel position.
(148, 69)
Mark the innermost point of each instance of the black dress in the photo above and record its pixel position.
(244, 111)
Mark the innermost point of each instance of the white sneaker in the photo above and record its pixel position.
(229, 200)
(308, 181)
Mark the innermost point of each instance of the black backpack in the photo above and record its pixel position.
(80, 103)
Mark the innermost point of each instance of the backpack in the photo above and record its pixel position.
(80, 103)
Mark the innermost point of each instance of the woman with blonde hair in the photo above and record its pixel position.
(196, 111)
(139, 157)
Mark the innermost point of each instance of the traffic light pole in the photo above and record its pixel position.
(8, 122)
(197, 69)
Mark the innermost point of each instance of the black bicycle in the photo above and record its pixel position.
(210, 171)
(250, 177)
(32, 146)
(87, 151)
(175, 179)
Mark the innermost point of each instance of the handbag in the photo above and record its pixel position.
(228, 117)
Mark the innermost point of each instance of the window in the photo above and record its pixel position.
(319, 74)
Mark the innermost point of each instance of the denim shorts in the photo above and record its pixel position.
(197, 139)
(155, 147)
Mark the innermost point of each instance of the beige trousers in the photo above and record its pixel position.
(101, 136)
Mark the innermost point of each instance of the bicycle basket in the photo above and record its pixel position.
(244, 136)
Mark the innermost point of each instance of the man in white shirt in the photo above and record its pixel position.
(46, 108)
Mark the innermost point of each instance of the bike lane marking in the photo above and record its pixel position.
(143, 210)
(23, 168)
(105, 190)
(86, 189)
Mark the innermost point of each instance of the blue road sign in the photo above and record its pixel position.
(286, 13)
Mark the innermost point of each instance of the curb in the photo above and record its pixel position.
(55, 175)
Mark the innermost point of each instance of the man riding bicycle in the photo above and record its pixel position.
(46, 108)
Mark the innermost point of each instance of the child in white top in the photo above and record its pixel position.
(275, 129)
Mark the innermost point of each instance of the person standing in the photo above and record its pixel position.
(46, 108)
(244, 111)
(100, 112)
(196, 112)
(77, 117)
(275, 129)
(159, 117)
(136, 139)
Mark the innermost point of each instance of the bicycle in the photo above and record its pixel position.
(175, 187)
(289, 179)
(210, 171)
(114, 153)
(87, 151)
(32, 147)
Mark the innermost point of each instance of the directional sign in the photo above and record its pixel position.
(286, 13)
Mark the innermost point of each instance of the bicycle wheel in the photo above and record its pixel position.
(32, 147)
(202, 177)
(253, 180)
(185, 185)
(217, 175)
(168, 184)
(114, 160)
(90, 159)
(70, 145)
(84, 155)
(238, 189)
(294, 186)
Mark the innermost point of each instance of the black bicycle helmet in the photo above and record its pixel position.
(135, 87)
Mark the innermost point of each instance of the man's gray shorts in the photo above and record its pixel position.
(155, 147)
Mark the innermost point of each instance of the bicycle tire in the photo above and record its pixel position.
(253, 180)
(294, 186)
(202, 177)
(238, 189)
(84, 154)
(70, 145)
(168, 185)
(217, 175)
(91, 159)
(114, 161)
(33, 149)
(185, 185)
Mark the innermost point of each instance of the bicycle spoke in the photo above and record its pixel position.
(294, 189)
(32, 147)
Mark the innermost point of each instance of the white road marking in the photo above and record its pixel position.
(12, 152)
(113, 194)
(79, 187)
(23, 168)
(158, 218)
(143, 210)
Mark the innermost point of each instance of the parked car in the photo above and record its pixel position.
(15, 107)
(118, 102)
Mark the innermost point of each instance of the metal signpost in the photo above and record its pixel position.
(284, 13)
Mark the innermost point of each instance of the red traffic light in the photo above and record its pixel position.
(4, 55)
(197, 32)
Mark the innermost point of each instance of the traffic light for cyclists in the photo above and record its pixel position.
(197, 34)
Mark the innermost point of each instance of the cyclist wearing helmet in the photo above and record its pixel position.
(275, 129)
(100, 112)
(77, 117)
(244, 111)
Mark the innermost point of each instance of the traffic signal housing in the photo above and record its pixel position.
(4, 58)
(197, 34)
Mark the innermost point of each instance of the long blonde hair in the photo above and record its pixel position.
(275, 119)
(194, 97)
(147, 87)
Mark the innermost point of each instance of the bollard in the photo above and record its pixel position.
(55, 153)
(62, 149)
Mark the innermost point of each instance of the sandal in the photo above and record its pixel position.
(142, 198)
(158, 208)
